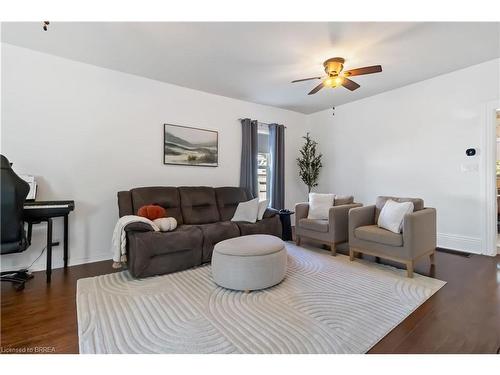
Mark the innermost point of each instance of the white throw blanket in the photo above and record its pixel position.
(119, 241)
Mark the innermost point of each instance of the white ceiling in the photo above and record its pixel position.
(256, 61)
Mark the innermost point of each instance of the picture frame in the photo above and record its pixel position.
(190, 146)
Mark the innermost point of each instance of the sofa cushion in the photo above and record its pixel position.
(343, 199)
(155, 253)
(418, 204)
(317, 225)
(216, 232)
(164, 196)
(268, 225)
(375, 234)
(199, 205)
(228, 198)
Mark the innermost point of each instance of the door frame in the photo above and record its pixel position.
(488, 178)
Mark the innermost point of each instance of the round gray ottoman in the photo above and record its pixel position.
(248, 263)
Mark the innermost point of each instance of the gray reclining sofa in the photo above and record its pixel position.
(203, 217)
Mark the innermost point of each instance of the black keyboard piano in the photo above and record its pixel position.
(44, 209)
(36, 212)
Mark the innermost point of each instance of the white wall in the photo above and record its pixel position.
(411, 142)
(86, 132)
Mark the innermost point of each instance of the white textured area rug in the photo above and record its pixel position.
(325, 304)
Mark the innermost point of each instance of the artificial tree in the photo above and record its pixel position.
(309, 163)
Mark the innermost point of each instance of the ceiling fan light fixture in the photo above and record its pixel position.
(329, 82)
(333, 82)
(336, 76)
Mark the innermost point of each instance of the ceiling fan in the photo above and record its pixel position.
(337, 76)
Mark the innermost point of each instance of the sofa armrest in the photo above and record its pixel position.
(301, 212)
(270, 212)
(138, 227)
(338, 219)
(419, 231)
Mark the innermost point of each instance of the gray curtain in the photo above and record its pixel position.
(277, 180)
(249, 157)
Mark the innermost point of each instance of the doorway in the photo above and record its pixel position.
(490, 178)
(498, 176)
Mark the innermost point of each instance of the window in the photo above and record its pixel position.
(264, 159)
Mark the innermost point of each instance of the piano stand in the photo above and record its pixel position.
(30, 230)
(65, 241)
(36, 215)
(49, 250)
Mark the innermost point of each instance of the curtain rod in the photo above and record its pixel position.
(259, 122)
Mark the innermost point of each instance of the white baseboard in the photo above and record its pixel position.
(58, 262)
(444, 240)
(73, 262)
(460, 243)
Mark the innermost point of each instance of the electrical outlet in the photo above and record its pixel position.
(469, 167)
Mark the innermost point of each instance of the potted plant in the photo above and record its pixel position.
(309, 163)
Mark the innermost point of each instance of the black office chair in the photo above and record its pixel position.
(14, 191)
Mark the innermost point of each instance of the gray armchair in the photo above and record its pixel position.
(330, 232)
(418, 238)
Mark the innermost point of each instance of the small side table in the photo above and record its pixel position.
(286, 225)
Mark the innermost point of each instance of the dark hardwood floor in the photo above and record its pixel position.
(43, 316)
(462, 317)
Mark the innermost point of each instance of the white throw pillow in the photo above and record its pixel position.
(166, 224)
(392, 215)
(262, 209)
(319, 205)
(247, 211)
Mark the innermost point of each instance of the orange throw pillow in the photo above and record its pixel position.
(152, 212)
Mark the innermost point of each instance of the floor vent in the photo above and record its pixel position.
(454, 252)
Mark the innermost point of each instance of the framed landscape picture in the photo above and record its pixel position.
(184, 145)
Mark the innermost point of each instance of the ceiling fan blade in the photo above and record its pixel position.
(305, 79)
(350, 85)
(316, 89)
(365, 70)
